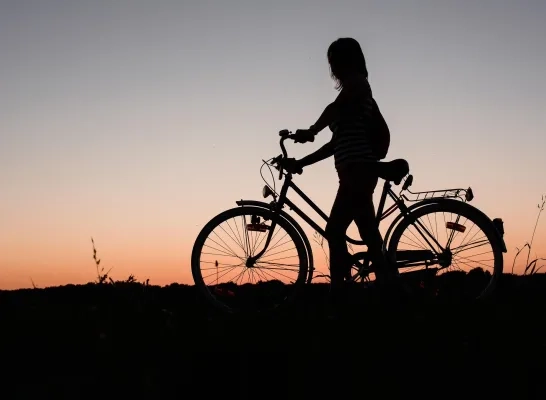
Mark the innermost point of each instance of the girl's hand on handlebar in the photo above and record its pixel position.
(303, 135)
(291, 165)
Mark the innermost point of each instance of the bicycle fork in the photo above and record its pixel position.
(275, 206)
(251, 260)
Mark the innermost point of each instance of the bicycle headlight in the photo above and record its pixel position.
(266, 192)
(469, 195)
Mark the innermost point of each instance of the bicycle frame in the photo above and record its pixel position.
(282, 200)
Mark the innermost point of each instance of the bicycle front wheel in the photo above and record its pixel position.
(220, 266)
(455, 242)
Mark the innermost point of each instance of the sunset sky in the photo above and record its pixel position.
(135, 122)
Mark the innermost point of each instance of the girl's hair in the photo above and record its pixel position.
(345, 58)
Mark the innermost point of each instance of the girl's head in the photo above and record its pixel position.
(346, 59)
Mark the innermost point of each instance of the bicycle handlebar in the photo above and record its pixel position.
(284, 134)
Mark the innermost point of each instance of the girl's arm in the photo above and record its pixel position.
(324, 152)
(328, 116)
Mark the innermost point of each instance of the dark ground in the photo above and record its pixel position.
(152, 342)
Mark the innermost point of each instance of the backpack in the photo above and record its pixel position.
(381, 134)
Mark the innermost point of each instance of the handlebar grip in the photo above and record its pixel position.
(285, 134)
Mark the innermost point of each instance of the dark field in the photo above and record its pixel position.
(132, 340)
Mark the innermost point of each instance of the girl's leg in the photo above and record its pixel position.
(363, 184)
(336, 229)
(368, 229)
(367, 224)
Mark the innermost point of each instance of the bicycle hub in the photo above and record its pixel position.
(250, 262)
(445, 258)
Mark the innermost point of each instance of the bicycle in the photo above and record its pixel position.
(259, 220)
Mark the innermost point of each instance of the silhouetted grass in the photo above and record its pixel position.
(531, 267)
(146, 339)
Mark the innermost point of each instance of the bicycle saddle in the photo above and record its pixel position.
(393, 171)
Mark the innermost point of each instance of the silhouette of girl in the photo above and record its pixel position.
(360, 137)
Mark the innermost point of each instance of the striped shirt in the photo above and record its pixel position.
(350, 132)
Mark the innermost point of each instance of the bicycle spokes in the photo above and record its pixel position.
(462, 245)
(229, 248)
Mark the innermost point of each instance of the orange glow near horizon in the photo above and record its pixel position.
(167, 260)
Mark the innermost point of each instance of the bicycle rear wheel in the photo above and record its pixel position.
(454, 241)
(223, 247)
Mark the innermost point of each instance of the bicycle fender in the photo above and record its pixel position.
(294, 223)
